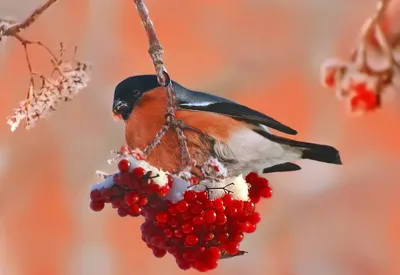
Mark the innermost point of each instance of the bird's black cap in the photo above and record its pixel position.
(142, 83)
(129, 91)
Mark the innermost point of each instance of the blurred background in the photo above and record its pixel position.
(322, 220)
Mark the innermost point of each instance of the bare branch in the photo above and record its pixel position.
(156, 54)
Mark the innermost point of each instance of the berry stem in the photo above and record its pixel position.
(224, 188)
(208, 189)
(225, 255)
(156, 55)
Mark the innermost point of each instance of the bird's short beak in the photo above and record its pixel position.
(116, 114)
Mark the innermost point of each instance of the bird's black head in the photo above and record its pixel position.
(129, 91)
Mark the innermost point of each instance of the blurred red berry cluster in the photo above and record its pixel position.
(184, 217)
(362, 91)
(373, 68)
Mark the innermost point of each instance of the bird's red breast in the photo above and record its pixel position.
(148, 116)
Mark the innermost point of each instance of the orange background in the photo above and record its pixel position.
(321, 220)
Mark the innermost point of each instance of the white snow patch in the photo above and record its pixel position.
(107, 183)
(159, 176)
(177, 190)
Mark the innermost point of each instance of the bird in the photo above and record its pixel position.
(237, 136)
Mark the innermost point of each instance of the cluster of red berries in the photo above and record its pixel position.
(196, 230)
(363, 98)
(259, 187)
(130, 191)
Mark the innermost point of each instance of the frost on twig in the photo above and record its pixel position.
(68, 77)
(5, 26)
(372, 69)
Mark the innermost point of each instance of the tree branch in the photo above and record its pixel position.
(28, 21)
(156, 54)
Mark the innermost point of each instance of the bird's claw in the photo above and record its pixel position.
(184, 126)
(148, 176)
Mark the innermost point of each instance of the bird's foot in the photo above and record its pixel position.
(184, 126)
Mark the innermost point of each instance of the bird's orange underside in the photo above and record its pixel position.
(148, 117)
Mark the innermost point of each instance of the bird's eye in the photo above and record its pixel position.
(136, 92)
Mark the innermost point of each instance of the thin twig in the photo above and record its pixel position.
(31, 79)
(366, 31)
(156, 54)
(30, 20)
(359, 55)
(223, 188)
(24, 42)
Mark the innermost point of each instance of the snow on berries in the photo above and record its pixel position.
(197, 221)
(372, 71)
(129, 189)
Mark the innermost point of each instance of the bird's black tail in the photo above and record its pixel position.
(322, 153)
(313, 151)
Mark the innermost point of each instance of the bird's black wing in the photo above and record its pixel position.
(198, 101)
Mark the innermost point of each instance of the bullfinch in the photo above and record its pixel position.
(214, 127)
